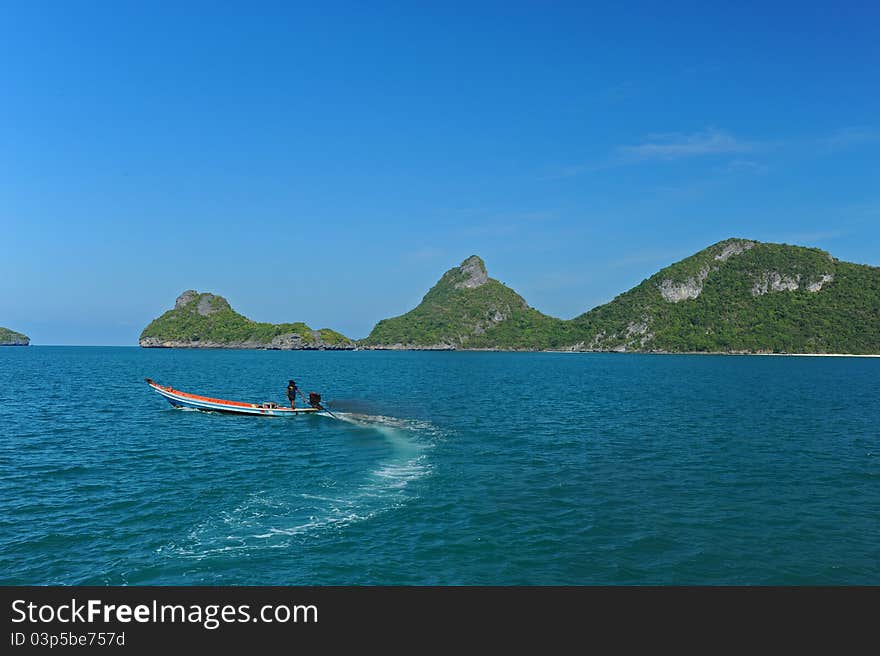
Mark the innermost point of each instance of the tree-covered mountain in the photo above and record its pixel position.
(467, 309)
(208, 321)
(743, 295)
(11, 338)
(736, 296)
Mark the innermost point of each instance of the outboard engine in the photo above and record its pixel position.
(314, 399)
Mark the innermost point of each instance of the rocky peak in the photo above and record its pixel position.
(186, 298)
(474, 271)
(208, 304)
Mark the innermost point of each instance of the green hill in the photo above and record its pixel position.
(467, 309)
(742, 295)
(735, 296)
(12, 338)
(208, 321)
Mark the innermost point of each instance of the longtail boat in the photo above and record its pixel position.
(186, 400)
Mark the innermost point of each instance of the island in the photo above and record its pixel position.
(204, 320)
(11, 338)
(467, 309)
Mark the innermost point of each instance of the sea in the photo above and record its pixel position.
(441, 468)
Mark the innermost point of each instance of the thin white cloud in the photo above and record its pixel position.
(678, 146)
(663, 147)
(670, 147)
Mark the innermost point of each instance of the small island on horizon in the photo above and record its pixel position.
(208, 321)
(11, 338)
(736, 296)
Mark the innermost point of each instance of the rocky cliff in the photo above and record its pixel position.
(208, 321)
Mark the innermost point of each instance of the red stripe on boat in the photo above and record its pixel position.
(205, 398)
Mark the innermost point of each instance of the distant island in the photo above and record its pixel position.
(12, 338)
(467, 309)
(208, 321)
(736, 296)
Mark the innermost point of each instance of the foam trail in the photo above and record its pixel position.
(275, 519)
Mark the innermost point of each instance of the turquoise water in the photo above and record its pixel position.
(446, 468)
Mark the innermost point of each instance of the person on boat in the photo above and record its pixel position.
(291, 393)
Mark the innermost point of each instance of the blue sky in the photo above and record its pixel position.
(328, 164)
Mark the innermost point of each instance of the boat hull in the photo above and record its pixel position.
(180, 399)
